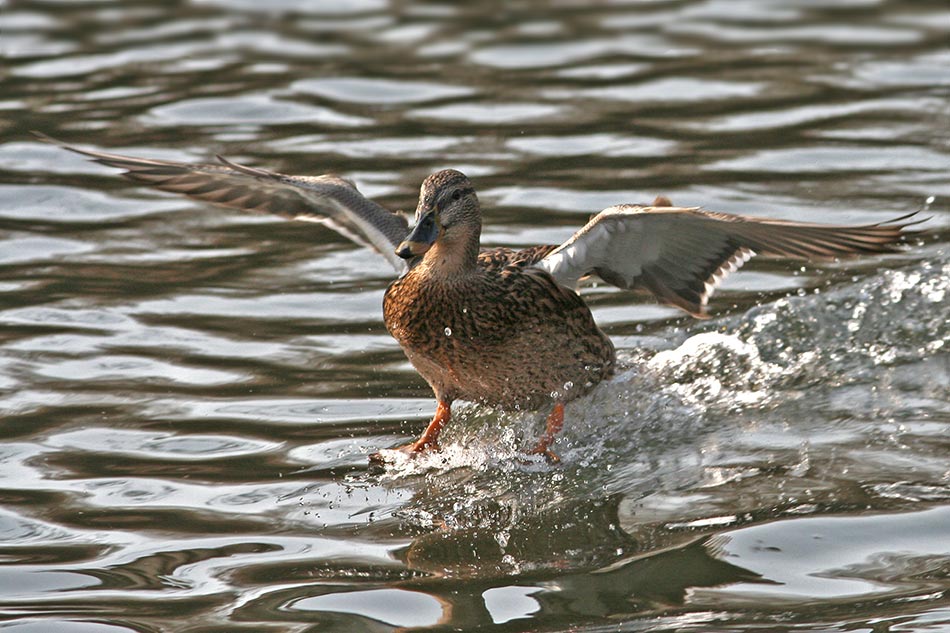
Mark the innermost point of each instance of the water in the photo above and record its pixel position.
(189, 395)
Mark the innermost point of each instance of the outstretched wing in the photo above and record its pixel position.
(682, 254)
(328, 200)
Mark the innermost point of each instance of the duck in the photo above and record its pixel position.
(502, 327)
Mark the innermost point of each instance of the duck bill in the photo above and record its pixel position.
(422, 237)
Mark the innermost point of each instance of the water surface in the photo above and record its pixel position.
(188, 395)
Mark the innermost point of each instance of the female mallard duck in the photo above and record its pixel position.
(503, 327)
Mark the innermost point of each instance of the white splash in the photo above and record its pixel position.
(715, 367)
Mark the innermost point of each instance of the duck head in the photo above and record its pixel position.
(447, 213)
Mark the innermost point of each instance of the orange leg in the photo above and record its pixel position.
(429, 440)
(553, 427)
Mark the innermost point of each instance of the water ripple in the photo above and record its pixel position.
(247, 110)
(378, 91)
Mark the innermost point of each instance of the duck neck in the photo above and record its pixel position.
(455, 254)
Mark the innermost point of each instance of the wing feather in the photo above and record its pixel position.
(682, 254)
(329, 200)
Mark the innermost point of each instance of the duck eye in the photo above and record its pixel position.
(457, 195)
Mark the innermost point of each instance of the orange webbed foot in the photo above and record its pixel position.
(549, 455)
(428, 442)
(412, 449)
(553, 426)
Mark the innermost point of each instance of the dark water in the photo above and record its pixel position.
(188, 395)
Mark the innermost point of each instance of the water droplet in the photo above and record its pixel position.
(568, 385)
(448, 331)
(502, 538)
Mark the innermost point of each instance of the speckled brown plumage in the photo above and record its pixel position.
(498, 258)
(506, 336)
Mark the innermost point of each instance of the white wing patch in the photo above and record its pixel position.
(730, 266)
(677, 254)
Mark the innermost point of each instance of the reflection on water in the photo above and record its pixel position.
(188, 396)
